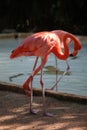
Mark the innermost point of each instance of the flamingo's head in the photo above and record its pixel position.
(15, 53)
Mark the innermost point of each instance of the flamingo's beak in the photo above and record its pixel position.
(74, 53)
(12, 51)
(71, 55)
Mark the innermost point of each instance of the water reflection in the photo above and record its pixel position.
(18, 70)
(75, 57)
(52, 70)
(15, 76)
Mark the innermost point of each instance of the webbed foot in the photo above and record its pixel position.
(34, 112)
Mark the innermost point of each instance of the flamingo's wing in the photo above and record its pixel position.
(39, 44)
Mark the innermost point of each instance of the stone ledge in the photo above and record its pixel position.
(4, 86)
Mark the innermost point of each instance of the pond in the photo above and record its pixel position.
(18, 70)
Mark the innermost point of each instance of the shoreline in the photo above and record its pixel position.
(13, 35)
(4, 86)
(24, 35)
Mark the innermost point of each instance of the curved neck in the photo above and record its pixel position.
(57, 50)
(64, 55)
(77, 43)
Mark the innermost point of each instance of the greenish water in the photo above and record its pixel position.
(18, 70)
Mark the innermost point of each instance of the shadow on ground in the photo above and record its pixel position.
(14, 113)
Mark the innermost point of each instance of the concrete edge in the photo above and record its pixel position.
(4, 86)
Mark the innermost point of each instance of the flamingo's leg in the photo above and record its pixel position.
(34, 67)
(35, 63)
(67, 69)
(43, 95)
(32, 111)
(55, 86)
(30, 93)
(28, 88)
(36, 60)
(56, 73)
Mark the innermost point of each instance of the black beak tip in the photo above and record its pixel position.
(71, 55)
(12, 51)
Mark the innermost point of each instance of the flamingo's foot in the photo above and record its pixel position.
(48, 114)
(33, 112)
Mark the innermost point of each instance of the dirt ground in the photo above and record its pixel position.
(14, 114)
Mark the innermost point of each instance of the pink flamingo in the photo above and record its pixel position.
(60, 34)
(41, 44)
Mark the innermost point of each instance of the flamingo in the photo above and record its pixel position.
(41, 44)
(60, 34)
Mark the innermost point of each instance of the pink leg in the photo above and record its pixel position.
(35, 63)
(32, 111)
(56, 86)
(56, 73)
(28, 88)
(43, 96)
(30, 93)
(58, 80)
(34, 69)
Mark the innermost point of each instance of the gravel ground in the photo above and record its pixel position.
(14, 114)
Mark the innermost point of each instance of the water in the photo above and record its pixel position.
(18, 70)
